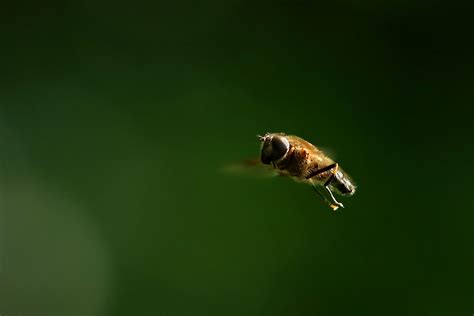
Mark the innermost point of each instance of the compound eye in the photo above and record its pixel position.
(273, 149)
(280, 146)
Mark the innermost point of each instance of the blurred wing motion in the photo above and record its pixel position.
(251, 167)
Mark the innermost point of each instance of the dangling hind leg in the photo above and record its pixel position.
(334, 168)
(334, 204)
(326, 186)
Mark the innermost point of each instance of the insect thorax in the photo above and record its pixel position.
(295, 162)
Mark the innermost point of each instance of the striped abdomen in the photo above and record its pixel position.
(343, 184)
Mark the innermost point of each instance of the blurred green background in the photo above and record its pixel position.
(116, 120)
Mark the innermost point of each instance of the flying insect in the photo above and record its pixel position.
(297, 158)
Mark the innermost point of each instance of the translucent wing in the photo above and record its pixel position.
(251, 167)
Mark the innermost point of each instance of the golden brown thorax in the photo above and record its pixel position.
(301, 159)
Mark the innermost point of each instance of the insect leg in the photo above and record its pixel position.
(334, 168)
(321, 195)
(328, 182)
(319, 171)
(335, 204)
(326, 186)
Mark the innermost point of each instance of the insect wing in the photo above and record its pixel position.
(251, 167)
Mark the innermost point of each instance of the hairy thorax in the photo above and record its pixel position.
(299, 163)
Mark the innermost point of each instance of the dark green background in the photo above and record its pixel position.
(117, 119)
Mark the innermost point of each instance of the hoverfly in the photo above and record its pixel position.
(297, 158)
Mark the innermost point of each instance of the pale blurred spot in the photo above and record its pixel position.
(53, 260)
